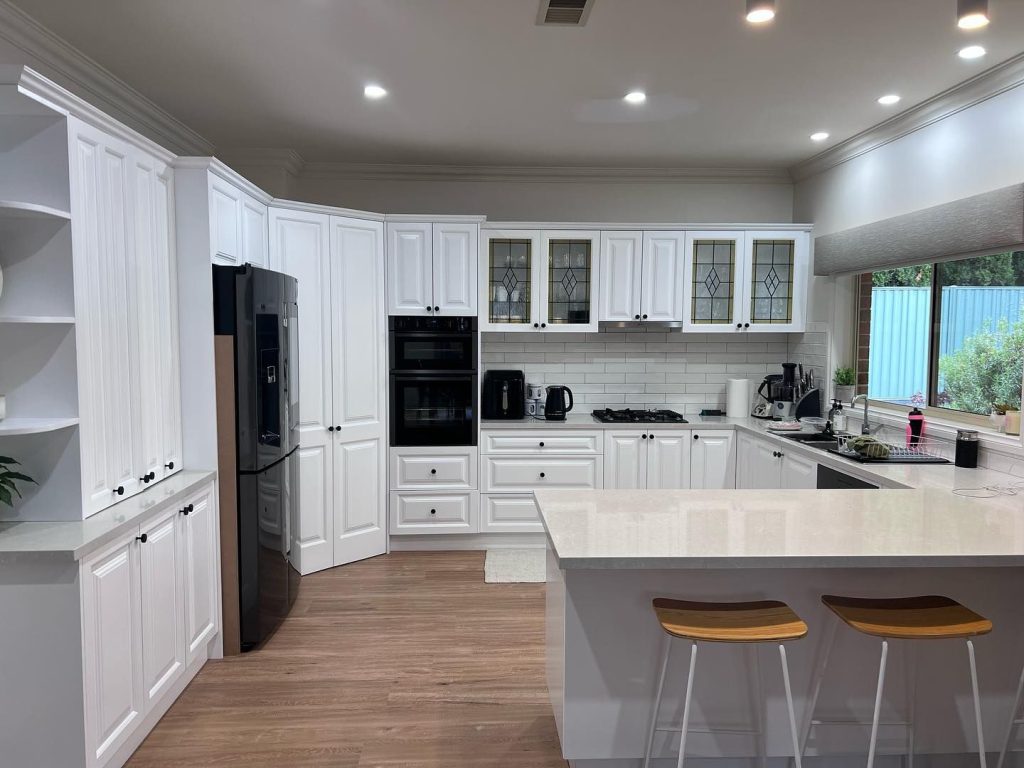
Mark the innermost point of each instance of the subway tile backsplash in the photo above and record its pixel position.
(653, 368)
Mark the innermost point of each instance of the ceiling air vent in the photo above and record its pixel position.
(564, 12)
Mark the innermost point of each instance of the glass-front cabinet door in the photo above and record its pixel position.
(714, 282)
(568, 284)
(507, 280)
(776, 281)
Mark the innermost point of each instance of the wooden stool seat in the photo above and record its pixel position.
(752, 622)
(909, 618)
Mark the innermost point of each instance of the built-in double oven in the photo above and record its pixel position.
(433, 380)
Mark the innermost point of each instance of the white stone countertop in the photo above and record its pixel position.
(697, 529)
(67, 541)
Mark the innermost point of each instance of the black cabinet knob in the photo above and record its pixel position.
(541, 443)
(636, 317)
(119, 490)
(433, 471)
(169, 465)
(337, 428)
(746, 325)
(781, 454)
(143, 538)
(433, 511)
(739, 325)
(650, 437)
(536, 325)
(542, 474)
(437, 309)
(645, 317)
(696, 437)
(147, 477)
(643, 437)
(428, 309)
(330, 429)
(543, 325)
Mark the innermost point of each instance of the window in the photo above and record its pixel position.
(948, 335)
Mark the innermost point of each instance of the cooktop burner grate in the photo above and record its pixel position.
(630, 416)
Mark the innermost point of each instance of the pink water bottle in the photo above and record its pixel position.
(915, 427)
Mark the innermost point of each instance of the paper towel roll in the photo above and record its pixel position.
(737, 398)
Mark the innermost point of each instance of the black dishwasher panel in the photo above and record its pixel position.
(829, 478)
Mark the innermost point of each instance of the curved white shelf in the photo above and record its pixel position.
(15, 209)
(41, 319)
(14, 426)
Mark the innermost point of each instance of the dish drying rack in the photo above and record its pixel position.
(924, 451)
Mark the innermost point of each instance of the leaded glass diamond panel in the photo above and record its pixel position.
(509, 281)
(570, 269)
(771, 295)
(714, 267)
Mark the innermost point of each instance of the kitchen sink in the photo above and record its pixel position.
(813, 439)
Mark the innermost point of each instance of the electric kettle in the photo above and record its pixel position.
(556, 407)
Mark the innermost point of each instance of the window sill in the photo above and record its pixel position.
(946, 429)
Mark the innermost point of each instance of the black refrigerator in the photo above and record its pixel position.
(256, 322)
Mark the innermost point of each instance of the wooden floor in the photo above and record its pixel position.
(404, 660)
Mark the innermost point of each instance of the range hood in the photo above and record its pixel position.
(639, 325)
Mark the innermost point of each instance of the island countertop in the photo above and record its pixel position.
(701, 529)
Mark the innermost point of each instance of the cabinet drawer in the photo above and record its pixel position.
(538, 441)
(526, 473)
(436, 469)
(509, 513)
(433, 512)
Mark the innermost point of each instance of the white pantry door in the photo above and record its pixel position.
(360, 382)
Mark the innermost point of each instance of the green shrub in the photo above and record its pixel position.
(844, 377)
(985, 370)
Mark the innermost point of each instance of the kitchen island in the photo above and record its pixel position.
(610, 552)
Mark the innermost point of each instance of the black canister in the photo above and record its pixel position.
(967, 448)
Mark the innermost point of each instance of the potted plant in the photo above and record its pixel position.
(998, 415)
(844, 384)
(9, 479)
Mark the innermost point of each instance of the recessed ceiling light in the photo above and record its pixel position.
(971, 52)
(971, 14)
(760, 11)
(374, 92)
(889, 99)
(819, 136)
(636, 97)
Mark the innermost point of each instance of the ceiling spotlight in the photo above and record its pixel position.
(971, 14)
(374, 92)
(971, 52)
(889, 99)
(760, 11)
(819, 136)
(635, 97)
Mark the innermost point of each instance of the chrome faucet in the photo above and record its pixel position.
(865, 427)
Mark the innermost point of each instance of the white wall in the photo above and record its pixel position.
(640, 201)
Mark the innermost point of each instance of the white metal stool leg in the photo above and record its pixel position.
(819, 676)
(910, 659)
(878, 703)
(789, 704)
(1014, 722)
(657, 701)
(686, 704)
(977, 702)
(759, 704)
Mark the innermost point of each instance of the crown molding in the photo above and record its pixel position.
(511, 173)
(330, 210)
(287, 160)
(992, 82)
(97, 84)
(216, 167)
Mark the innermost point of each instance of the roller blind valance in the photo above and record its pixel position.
(987, 223)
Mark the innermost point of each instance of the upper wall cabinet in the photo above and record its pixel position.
(752, 281)
(540, 280)
(432, 268)
(642, 276)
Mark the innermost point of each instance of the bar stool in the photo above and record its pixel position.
(752, 622)
(930, 617)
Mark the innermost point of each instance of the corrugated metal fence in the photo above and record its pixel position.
(898, 358)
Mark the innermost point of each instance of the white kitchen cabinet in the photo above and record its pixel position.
(542, 441)
(712, 459)
(546, 281)
(647, 459)
(509, 513)
(746, 282)
(432, 268)
(255, 248)
(527, 473)
(201, 554)
(114, 693)
(434, 512)
(226, 222)
(758, 463)
(339, 263)
(798, 471)
(642, 276)
(433, 468)
(162, 605)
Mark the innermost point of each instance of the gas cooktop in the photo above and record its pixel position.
(629, 416)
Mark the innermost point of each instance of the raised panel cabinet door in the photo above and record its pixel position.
(757, 465)
(510, 273)
(165, 257)
(101, 237)
(410, 265)
(798, 472)
(455, 256)
(225, 222)
(509, 513)
(359, 331)
(569, 281)
(112, 648)
(668, 459)
(254, 233)
(200, 524)
(360, 505)
(621, 267)
(661, 297)
(712, 459)
(714, 281)
(163, 611)
(777, 265)
(625, 459)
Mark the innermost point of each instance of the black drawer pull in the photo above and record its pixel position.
(143, 538)
(433, 471)
(169, 465)
(119, 490)
(696, 437)
(541, 443)
(433, 511)
(542, 474)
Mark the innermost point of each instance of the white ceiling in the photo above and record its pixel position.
(476, 82)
